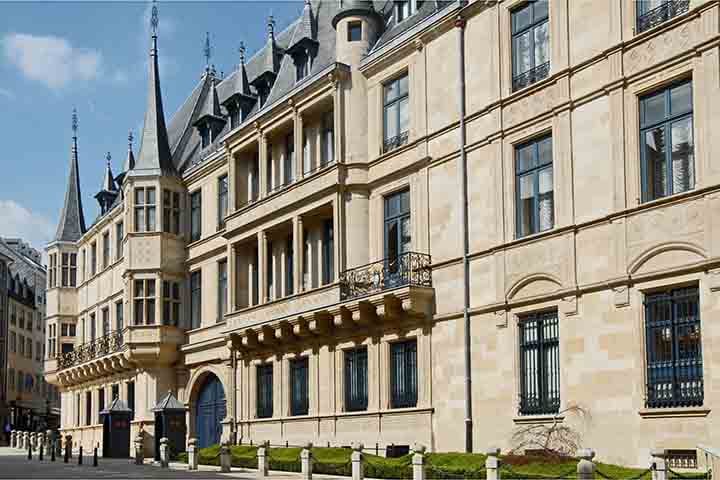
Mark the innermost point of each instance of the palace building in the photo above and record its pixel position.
(413, 221)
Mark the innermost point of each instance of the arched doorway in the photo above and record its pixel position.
(209, 412)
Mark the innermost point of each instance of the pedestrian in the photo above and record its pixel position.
(7, 430)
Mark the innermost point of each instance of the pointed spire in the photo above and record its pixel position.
(130, 160)
(271, 54)
(240, 96)
(72, 220)
(306, 28)
(207, 52)
(108, 183)
(242, 84)
(154, 147)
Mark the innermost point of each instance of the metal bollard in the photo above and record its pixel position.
(68, 447)
(492, 464)
(40, 452)
(95, 457)
(263, 457)
(306, 461)
(80, 455)
(585, 467)
(29, 448)
(52, 451)
(418, 462)
(225, 461)
(192, 454)
(357, 461)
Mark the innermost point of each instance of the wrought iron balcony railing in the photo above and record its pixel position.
(407, 269)
(531, 76)
(110, 343)
(394, 142)
(661, 14)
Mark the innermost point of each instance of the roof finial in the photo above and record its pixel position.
(74, 123)
(108, 157)
(130, 139)
(271, 26)
(154, 18)
(207, 51)
(242, 53)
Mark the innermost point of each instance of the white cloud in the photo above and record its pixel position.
(5, 93)
(51, 60)
(18, 221)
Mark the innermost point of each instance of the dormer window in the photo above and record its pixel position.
(405, 8)
(235, 116)
(205, 136)
(301, 66)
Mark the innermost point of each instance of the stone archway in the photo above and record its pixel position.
(208, 408)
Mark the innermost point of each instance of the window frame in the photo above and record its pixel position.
(119, 239)
(354, 27)
(222, 300)
(172, 303)
(196, 223)
(535, 171)
(299, 386)
(666, 123)
(404, 388)
(223, 200)
(401, 137)
(195, 286)
(663, 13)
(149, 222)
(106, 249)
(171, 211)
(547, 394)
(145, 298)
(354, 383)
(264, 390)
(536, 72)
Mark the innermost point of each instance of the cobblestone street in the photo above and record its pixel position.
(14, 464)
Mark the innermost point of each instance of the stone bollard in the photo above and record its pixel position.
(660, 464)
(418, 461)
(17, 439)
(40, 451)
(225, 460)
(26, 440)
(139, 455)
(13, 439)
(263, 457)
(33, 440)
(585, 467)
(40, 440)
(306, 461)
(48, 439)
(164, 453)
(58, 446)
(492, 463)
(192, 454)
(357, 461)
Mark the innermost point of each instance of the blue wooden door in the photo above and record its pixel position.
(210, 412)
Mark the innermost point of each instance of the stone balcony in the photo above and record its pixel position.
(117, 352)
(380, 292)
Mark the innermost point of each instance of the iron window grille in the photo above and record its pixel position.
(299, 386)
(649, 16)
(403, 358)
(539, 364)
(530, 44)
(674, 349)
(534, 187)
(666, 119)
(396, 113)
(265, 391)
(356, 380)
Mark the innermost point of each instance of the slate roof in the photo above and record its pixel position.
(116, 405)
(394, 30)
(72, 219)
(168, 402)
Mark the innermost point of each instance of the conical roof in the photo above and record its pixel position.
(116, 405)
(154, 156)
(130, 159)
(210, 107)
(355, 7)
(108, 183)
(72, 220)
(169, 402)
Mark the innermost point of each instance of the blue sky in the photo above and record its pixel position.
(93, 56)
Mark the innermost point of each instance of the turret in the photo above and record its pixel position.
(129, 163)
(357, 25)
(108, 191)
(241, 100)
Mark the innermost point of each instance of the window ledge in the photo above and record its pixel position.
(538, 419)
(680, 412)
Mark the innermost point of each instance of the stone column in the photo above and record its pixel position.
(492, 464)
(660, 470)
(306, 462)
(261, 266)
(225, 461)
(585, 467)
(139, 454)
(262, 165)
(298, 253)
(263, 457)
(356, 458)
(338, 122)
(164, 453)
(192, 454)
(232, 181)
(418, 462)
(336, 244)
(298, 138)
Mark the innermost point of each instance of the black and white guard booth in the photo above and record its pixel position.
(116, 430)
(170, 423)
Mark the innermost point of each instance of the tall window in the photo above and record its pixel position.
(270, 270)
(265, 390)
(115, 392)
(651, 13)
(93, 327)
(289, 266)
(396, 113)
(83, 267)
(299, 386)
(171, 212)
(405, 8)
(222, 290)
(101, 402)
(145, 204)
(53, 270)
(195, 299)
(195, 215)
(171, 303)
(119, 316)
(93, 258)
(328, 139)
(534, 184)
(69, 270)
(144, 302)
(356, 380)
(328, 255)
(302, 65)
(530, 43)
(539, 363)
(88, 408)
(119, 235)
(288, 160)
(403, 364)
(666, 142)
(398, 237)
(674, 349)
(222, 201)
(106, 249)
(130, 397)
(105, 321)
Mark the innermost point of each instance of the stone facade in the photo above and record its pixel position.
(302, 224)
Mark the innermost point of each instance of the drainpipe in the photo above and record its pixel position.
(460, 26)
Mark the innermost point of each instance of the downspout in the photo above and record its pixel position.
(460, 26)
